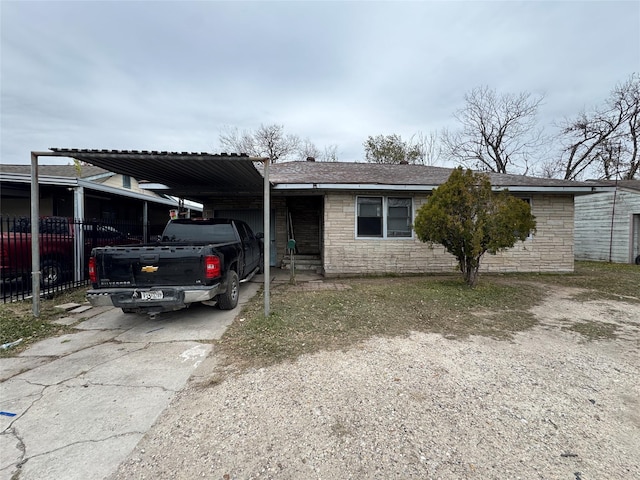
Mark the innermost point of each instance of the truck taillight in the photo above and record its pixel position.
(93, 272)
(211, 266)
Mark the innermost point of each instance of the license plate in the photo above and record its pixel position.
(152, 295)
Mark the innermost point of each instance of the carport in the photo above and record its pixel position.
(187, 175)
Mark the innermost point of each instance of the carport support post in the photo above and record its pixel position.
(78, 233)
(35, 236)
(267, 241)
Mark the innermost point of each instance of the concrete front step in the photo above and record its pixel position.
(304, 262)
(306, 268)
(304, 257)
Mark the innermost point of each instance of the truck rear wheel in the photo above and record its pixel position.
(229, 299)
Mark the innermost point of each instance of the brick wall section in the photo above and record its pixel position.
(550, 249)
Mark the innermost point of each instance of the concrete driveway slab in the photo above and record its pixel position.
(90, 460)
(79, 363)
(58, 419)
(12, 366)
(112, 319)
(69, 343)
(166, 366)
(16, 397)
(11, 452)
(84, 400)
(200, 322)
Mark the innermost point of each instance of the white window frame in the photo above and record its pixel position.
(385, 212)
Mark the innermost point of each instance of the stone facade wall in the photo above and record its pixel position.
(549, 250)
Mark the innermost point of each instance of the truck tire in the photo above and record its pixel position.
(229, 299)
(638, 260)
(51, 273)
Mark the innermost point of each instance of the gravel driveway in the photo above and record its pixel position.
(549, 404)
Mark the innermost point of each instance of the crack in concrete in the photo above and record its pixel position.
(24, 460)
(84, 372)
(97, 384)
(81, 442)
(32, 403)
(21, 446)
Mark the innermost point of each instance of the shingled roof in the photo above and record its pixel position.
(626, 184)
(361, 174)
(67, 171)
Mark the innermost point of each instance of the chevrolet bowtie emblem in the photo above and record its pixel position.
(149, 269)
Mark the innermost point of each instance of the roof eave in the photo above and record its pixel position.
(42, 179)
(552, 189)
(125, 193)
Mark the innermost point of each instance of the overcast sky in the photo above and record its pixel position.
(171, 75)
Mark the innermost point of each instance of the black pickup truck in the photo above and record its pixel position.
(195, 261)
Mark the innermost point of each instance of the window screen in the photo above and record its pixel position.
(370, 216)
(398, 217)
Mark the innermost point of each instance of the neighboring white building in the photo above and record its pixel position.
(87, 192)
(607, 225)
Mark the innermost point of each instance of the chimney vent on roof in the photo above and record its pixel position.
(311, 159)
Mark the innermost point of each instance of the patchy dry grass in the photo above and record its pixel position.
(606, 281)
(594, 330)
(308, 321)
(305, 322)
(17, 320)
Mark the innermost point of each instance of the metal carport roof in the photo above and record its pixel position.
(196, 176)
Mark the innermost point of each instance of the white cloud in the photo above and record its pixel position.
(171, 75)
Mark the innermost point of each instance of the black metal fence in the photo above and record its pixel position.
(64, 244)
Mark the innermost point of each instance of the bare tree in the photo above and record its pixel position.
(330, 153)
(549, 169)
(605, 140)
(429, 145)
(499, 132)
(308, 149)
(392, 149)
(267, 141)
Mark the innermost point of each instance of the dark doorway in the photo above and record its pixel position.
(304, 223)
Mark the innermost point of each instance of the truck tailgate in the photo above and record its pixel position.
(148, 266)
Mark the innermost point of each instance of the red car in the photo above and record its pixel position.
(56, 240)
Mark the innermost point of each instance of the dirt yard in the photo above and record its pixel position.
(559, 401)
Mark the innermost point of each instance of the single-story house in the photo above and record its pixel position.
(356, 218)
(349, 218)
(607, 224)
(102, 195)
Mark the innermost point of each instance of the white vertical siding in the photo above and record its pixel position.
(597, 237)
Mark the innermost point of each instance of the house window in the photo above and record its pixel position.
(398, 217)
(369, 216)
(126, 181)
(384, 217)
